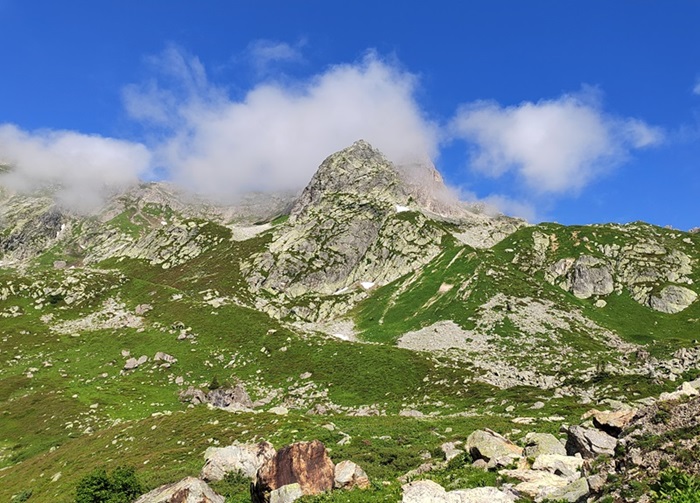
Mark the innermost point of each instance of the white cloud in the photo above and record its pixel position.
(555, 146)
(277, 135)
(264, 53)
(82, 169)
(696, 89)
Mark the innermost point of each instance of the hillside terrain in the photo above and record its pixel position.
(373, 311)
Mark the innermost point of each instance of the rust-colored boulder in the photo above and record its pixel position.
(303, 463)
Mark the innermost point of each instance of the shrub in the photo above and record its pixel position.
(675, 486)
(121, 486)
(23, 496)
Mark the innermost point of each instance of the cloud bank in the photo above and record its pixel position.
(554, 146)
(275, 137)
(80, 169)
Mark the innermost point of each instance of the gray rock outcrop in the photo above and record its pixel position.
(542, 443)
(427, 491)
(589, 442)
(490, 446)
(349, 475)
(188, 490)
(672, 299)
(590, 276)
(245, 459)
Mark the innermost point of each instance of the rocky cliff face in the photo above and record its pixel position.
(355, 222)
(362, 222)
(654, 267)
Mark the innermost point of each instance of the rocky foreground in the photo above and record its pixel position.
(601, 458)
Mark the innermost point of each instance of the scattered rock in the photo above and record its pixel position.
(568, 467)
(589, 442)
(596, 482)
(188, 490)
(133, 363)
(142, 309)
(685, 389)
(280, 410)
(286, 494)
(164, 357)
(481, 464)
(305, 463)
(480, 495)
(242, 458)
(424, 491)
(348, 475)
(235, 398)
(450, 450)
(542, 443)
(612, 422)
(575, 492)
(492, 447)
(590, 276)
(193, 395)
(411, 413)
(534, 483)
(672, 299)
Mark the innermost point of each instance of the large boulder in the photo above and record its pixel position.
(590, 276)
(535, 483)
(576, 492)
(424, 491)
(490, 446)
(245, 459)
(427, 491)
(568, 467)
(304, 463)
(589, 442)
(537, 444)
(348, 475)
(480, 495)
(612, 422)
(188, 490)
(230, 398)
(672, 299)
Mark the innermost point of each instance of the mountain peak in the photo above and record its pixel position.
(358, 170)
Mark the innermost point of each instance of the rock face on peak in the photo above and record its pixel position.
(361, 222)
(356, 223)
(359, 170)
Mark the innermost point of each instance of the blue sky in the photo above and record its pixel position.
(577, 112)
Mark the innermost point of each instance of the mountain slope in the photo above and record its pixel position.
(457, 320)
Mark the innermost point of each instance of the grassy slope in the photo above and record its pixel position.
(36, 441)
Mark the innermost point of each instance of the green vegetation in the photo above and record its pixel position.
(675, 486)
(67, 403)
(120, 486)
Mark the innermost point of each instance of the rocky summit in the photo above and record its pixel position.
(394, 343)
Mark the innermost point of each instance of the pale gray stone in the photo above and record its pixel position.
(487, 444)
(589, 442)
(542, 443)
(286, 494)
(245, 459)
(188, 490)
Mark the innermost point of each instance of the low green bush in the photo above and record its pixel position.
(120, 486)
(675, 486)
